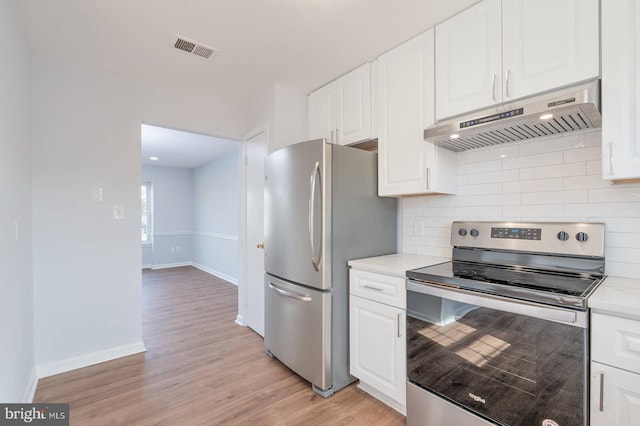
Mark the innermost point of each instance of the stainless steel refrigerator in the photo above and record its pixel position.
(321, 210)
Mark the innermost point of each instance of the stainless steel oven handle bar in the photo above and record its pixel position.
(563, 316)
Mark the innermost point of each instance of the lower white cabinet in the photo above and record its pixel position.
(377, 339)
(615, 396)
(615, 370)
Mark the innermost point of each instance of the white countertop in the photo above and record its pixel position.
(395, 264)
(617, 295)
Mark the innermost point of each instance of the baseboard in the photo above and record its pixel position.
(147, 266)
(171, 265)
(240, 320)
(32, 385)
(46, 370)
(225, 277)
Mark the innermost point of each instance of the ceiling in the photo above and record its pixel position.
(301, 44)
(175, 148)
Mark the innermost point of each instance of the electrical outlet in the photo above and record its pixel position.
(118, 212)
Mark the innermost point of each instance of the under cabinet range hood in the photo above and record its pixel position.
(561, 111)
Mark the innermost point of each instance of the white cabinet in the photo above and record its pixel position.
(341, 111)
(620, 89)
(407, 164)
(377, 336)
(498, 51)
(615, 371)
(469, 60)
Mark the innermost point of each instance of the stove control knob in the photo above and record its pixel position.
(582, 236)
(474, 232)
(563, 236)
(462, 232)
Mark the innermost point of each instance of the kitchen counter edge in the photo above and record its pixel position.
(617, 296)
(395, 264)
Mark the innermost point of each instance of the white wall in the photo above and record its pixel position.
(216, 216)
(86, 132)
(556, 179)
(171, 215)
(16, 284)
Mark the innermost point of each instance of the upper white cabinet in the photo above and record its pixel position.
(341, 111)
(620, 89)
(407, 164)
(469, 60)
(499, 51)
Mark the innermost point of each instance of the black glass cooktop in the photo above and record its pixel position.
(524, 283)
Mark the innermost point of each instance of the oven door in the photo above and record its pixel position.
(511, 362)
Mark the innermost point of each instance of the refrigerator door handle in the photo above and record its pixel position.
(312, 196)
(290, 295)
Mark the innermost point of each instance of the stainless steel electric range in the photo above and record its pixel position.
(500, 334)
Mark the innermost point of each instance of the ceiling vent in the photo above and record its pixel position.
(193, 47)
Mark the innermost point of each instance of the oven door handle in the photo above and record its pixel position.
(559, 315)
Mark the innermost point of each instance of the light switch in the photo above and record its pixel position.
(118, 212)
(96, 194)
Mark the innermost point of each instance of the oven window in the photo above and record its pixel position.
(513, 369)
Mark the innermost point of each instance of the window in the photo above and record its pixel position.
(145, 195)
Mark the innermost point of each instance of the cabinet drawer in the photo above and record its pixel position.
(378, 287)
(616, 341)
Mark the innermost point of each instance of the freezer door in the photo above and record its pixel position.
(297, 205)
(297, 329)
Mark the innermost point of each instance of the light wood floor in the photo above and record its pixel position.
(201, 368)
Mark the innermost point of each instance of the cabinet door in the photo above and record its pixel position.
(405, 96)
(377, 346)
(620, 89)
(322, 113)
(548, 44)
(469, 60)
(615, 396)
(354, 106)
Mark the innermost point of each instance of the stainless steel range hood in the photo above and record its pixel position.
(561, 111)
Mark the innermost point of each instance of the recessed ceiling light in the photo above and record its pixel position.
(455, 136)
(153, 158)
(546, 116)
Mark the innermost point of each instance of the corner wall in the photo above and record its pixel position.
(17, 379)
(86, 265)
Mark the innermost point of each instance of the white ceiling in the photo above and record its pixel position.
(301, 44)
(175, 148)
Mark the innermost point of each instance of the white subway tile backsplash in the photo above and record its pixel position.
(492, 153)
(594, 167)
(582, 154)
(585, 182)
(494, 200)
(537, 185)
(477, 212)
(615, 194)
(552, 179)
(486, 188)
(534, 160)
(554, 143)
(546, 212)
(480, 167)
(556, 197)
(606, 210)
(561, 170)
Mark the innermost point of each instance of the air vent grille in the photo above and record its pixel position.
(193, 47)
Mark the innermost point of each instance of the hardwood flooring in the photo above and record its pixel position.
(201, 368)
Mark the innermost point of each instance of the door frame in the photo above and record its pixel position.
(243, 278)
